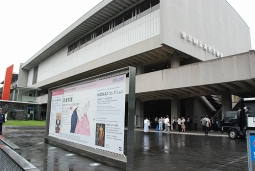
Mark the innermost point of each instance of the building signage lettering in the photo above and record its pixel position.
(200, 44)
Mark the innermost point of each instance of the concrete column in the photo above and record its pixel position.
(175, 61)
(139, 113)
(175, 108)
(13, 94)
(226, 102)
(139, 69)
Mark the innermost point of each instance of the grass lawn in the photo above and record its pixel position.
(24, 123)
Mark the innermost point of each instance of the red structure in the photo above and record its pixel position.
(7, 83)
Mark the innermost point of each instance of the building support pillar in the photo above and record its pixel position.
(175, 108)
(175, 61)
(13, 94)
(139, 113)
(226, 102)
(139, 69)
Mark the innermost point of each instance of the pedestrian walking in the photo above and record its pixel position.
(156, 122)
(146, 125)
(201, 120)
(167, 125)
(179, 122)
(174, 124)
(183, 124)
(160, 122)
(206, 123)
(2, 120)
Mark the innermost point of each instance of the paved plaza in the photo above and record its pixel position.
(177, 151)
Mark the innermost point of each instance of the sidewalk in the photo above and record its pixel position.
(48, 157)
(189, 151)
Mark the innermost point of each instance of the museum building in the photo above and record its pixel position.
(191, 57)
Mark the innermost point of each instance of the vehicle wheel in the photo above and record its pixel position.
(232, 134)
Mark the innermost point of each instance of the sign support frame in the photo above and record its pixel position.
(131, 114)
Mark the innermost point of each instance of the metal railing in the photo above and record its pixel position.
(12, 161)
(7, 163)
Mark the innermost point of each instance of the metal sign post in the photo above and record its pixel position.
(131, 114)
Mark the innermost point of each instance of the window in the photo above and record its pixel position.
(154, 2)
(82, 42)
(154, 5)
(98, 32)
(157, 67)
(118, 22)
(89, 38)
(35, 75)
(134, 12)
(230, 117)
(70, 48)
(76, 45)
(107, 28)
(128, 17)
(144, 6)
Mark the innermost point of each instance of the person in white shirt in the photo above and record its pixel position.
(146, 125)
(207, 124)
(167, 125)
(179, 122)
(183, 124)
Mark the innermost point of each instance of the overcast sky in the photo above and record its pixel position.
(28, 25)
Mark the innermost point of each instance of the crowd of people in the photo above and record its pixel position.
(180, 124)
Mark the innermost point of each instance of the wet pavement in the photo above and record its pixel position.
(177, 151)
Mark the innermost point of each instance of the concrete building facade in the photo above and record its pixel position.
(183, 50)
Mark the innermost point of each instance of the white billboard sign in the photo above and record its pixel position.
(90, 114)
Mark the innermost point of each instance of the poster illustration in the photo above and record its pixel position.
(100, 134)
(58, 122)
(55, 113)
(91, 114)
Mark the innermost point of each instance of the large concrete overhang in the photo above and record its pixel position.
(100, 14)
(214, 77)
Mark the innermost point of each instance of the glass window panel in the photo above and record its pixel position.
(230, 117)
(35, 74)
(128, 15)
(118, 20)
(106, 27)
(134, 11)
(89, 37)
(70, 48)
(154, 2)
(144, 6)
(75, 44)
(82, 40)
(98, 32)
